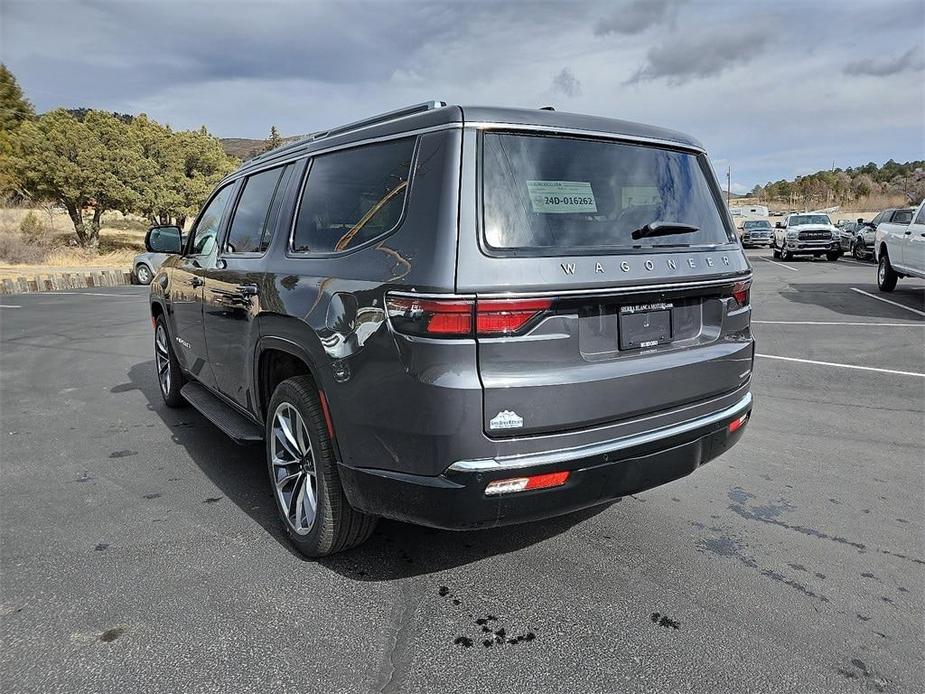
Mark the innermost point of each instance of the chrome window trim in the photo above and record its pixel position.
(677, 144)
(568, 454)
(298, 156)
(629, 289)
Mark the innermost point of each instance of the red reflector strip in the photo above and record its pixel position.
(520, 484)
(327, 414)
(736, 424)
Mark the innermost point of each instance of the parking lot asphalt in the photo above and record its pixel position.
(140, 551)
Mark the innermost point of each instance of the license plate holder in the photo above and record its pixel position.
(644, 326)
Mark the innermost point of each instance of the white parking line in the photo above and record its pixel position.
(887, 301)
(843, 366)
(9, 306)
(835, 322)
(774, 262)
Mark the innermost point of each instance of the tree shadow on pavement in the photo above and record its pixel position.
(396, 550)
(841, 298)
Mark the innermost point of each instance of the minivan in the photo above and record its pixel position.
(462, 317)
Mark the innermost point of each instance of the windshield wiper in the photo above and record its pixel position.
(663, 229)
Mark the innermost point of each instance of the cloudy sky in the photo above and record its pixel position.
(774, 89)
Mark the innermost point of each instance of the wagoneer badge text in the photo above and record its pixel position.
(670, 263)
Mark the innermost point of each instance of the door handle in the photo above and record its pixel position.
(248, 289)
(196, 282)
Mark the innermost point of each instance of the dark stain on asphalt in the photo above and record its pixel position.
(212, 499)
(799, 587)
(902, 589)
(463, 641)
(819, 575)
(122, 454)
(797, 567)
(867, 574)
(901, 556)
(83, 477)
(101, 547)
(664, 621)
(878, 682)
(803, 530)
(901, 520)
(887, 600)
(739, 495)
(835, 501)
(153, 495)
(456, 601)
(862, 617)
(111, 635)
(443, 591)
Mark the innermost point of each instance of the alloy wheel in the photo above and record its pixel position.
(293, 468)
(162, 358)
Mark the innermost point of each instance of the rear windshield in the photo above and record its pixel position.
(545, 195)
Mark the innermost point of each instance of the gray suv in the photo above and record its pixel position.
(461, 317)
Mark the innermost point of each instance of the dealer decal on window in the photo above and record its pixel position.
(559, 197)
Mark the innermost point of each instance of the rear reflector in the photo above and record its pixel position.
(736, 424)
(462, 317)
(522, 484)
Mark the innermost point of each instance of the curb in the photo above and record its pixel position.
(49, 282)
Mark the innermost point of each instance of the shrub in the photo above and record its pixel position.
(32, 229)
(16, 251)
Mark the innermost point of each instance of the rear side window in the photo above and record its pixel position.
(902, 216)
(250, 226)
(353, 196)
(545, 195)
(920, 217)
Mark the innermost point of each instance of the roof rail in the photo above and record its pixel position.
(356, 125)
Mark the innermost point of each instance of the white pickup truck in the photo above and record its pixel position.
(900, 247)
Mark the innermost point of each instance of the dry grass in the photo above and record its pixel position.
(54, 250)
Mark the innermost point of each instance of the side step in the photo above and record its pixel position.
(234, 424)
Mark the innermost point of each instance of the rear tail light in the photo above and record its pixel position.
(740, 294)
(523, 484)
(463, 317)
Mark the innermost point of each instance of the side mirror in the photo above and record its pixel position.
(164, 239)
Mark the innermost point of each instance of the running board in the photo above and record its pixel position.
(238, 427)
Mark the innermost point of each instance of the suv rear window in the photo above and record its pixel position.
(545, 195)
(353, 196)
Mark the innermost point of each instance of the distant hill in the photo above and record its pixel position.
(245, 148)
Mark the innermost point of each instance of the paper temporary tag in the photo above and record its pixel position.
(559, 197)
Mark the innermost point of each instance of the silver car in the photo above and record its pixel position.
(146, 265)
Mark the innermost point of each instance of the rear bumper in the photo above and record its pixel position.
(598, 474)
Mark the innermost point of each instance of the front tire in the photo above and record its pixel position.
(859, 251)
(143, 274)
(170, 378)
(784, 254)
(886, 275)
(303, 473)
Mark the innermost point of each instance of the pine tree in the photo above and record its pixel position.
(14, 107)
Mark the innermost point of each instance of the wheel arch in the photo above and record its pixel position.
(275, 360)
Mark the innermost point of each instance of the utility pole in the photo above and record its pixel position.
(728, 183)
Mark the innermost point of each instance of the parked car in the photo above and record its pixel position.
(806, 233)
(900, 246)
(756, 233)
(845, 234)
(147, 264)
(461, 317)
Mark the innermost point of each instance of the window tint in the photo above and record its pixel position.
(920, 217)
(206, 231)
(902, 216)
(249, 232)
(353, 196)
(552, 195)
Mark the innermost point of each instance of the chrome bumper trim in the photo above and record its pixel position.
(594, 449)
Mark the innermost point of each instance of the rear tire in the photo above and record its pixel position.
(859, 251)
(886, 275)
(170, 378)
(304, 479)
(784, 254)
